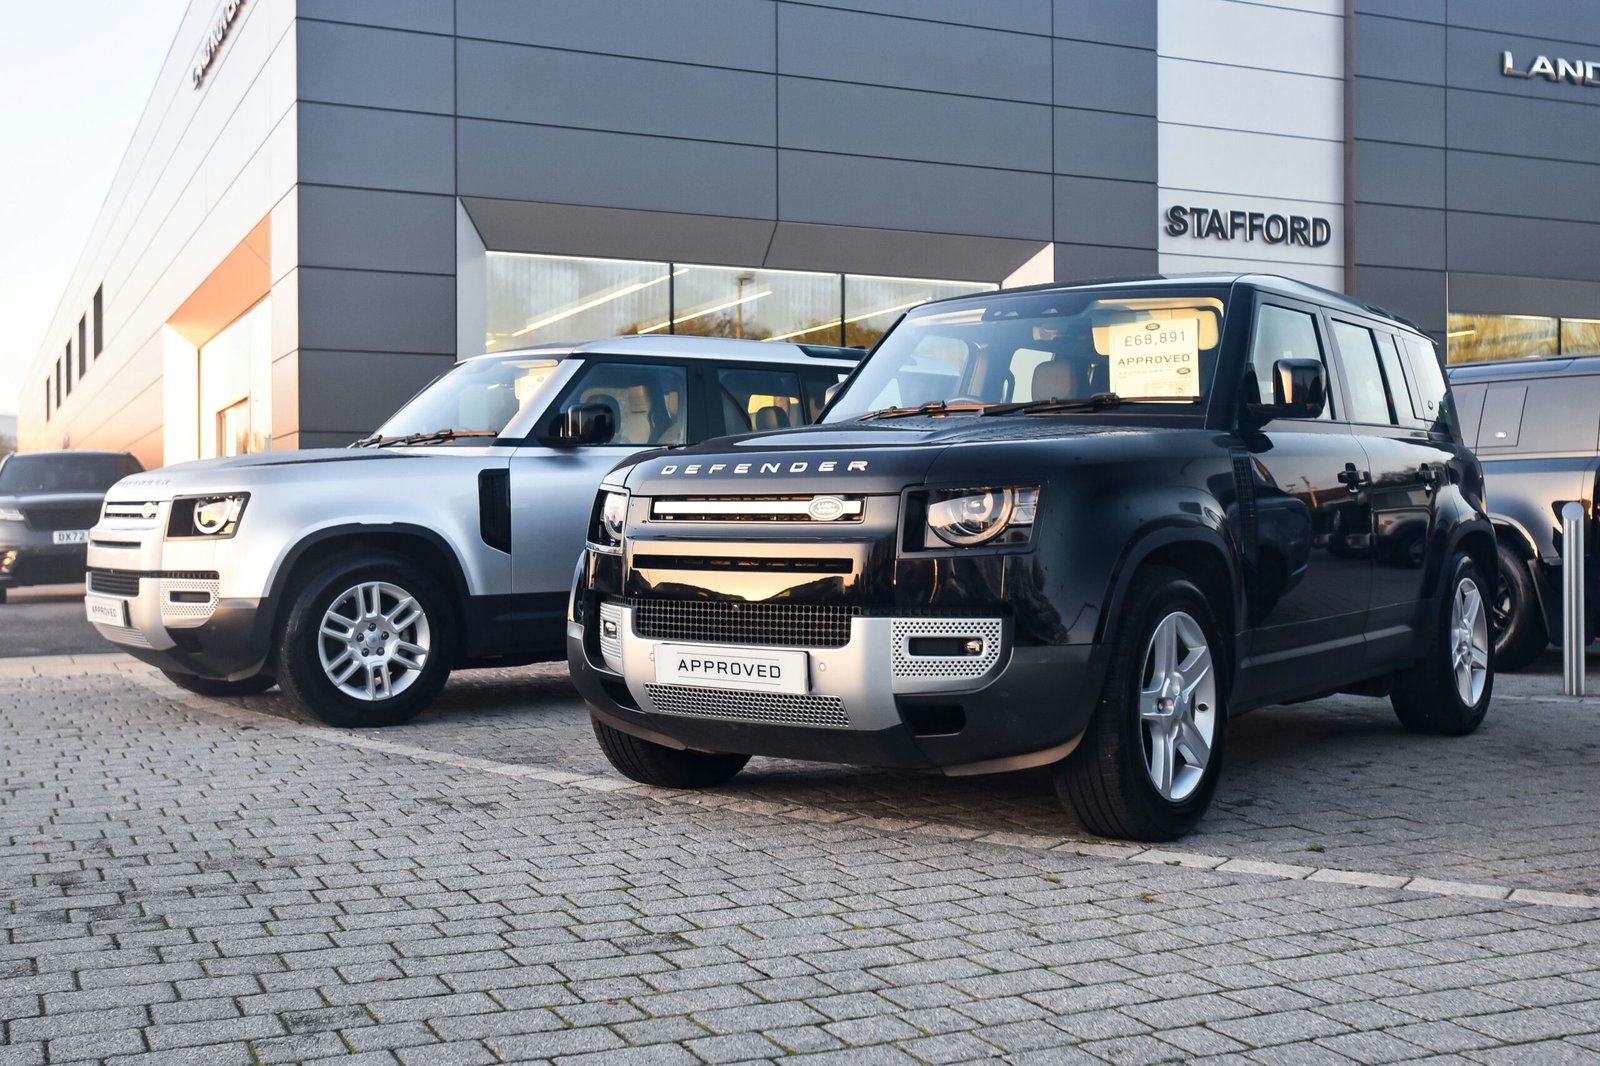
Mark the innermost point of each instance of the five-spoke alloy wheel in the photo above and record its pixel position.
(1447, 692)
(1178, 706)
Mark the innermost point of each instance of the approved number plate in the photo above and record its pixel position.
(750, 669)
(71, 536)
(107, 610)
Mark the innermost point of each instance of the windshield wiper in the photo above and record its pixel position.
(1100, 401)
(435, 437)
(932, 407)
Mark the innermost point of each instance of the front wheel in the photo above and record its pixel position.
(210, 686)
(1447, 692)
(366, 642)
(656, 764)
(1148, 764)
(1517, 624)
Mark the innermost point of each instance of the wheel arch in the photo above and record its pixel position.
(1198, 552)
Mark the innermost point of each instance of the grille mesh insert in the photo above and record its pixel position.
(114, 583)
(711, 622)
(749, 706)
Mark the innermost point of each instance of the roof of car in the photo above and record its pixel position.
(71, 451)
(687, 347)
(1274, 283)
(1526, 368)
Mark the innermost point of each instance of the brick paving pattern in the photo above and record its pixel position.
(188, 886)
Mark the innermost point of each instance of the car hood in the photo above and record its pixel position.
(241, 473)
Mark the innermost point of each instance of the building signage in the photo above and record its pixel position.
(214, 39)
(1577, 71)
(1202, 222)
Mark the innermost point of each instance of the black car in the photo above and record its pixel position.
(1075, 526)
(48, 501)
(1535, 425)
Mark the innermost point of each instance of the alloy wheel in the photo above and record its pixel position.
(1469, 642)
(374, 641)
(1177, 706)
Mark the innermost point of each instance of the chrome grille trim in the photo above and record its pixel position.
(145, 511)
(755, 509)
(782, 709)
(761, 624)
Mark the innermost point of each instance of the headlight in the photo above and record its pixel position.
(966, 517)
(610, 516)
(216, 517)
(10, 514)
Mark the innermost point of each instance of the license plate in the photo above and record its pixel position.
(107, 610)
(71, 536)
(750, 669)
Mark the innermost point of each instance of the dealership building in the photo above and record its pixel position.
(327, 202)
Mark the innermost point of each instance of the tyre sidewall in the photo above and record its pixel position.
(300, 671)
(1457, 710)
(1523, 638)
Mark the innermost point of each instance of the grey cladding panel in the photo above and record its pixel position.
(1404, 112)
(853, 191)
(1419, 10)
(1129, 22)
(1103, 144)
(1475, 63)
(508, 161)
(424, 16)
(860, 250)
(1021, 16)
(1528, 296)
(328, 403)
(372, 67)
(839, 45)
(1095, 211)
(1399, 50)
(1399, 236)
(1105, 77)
(719, 33)
(361, 310)
(1559, 20)
(1399, 174)
(1509, 185)
(1488, 122)
(376, 149)
(541, 85)
(371, 230)
(1081, 262)
(1414, 294)
(1495, 244)
(827, 116)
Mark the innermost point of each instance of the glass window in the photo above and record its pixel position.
(1476, 338)
(535, 299)
(476, 396)
(817, 384)
(1358, 357)
(646, 400)
(1580, 336)
(754, 304)
(68, 358)
(60, 472)
(1394, 376)
(99, 321)
(83, 344)
(236, 386)
(1431, 401)
(1283, 333)
(759, 400)
(873, 304)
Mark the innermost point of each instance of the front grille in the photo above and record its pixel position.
(145, 511)
(61, 516)
(749, 706)
(114, 582)
(824, 508)
(714, 622)
(119, 635)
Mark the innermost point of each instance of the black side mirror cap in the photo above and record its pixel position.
(584, 423)
(1299, 390)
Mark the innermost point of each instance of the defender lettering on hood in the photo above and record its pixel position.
(826, 466)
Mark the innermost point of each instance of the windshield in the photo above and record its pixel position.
(1154, 348)
(478, 396)
(62, 472)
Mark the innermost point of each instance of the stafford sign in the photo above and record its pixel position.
(1220, 224)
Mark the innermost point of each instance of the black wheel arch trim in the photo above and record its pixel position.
(1152, 539)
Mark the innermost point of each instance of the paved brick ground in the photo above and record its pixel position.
(189, 886)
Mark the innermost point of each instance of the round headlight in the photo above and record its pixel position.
(971, 518)
(614, 514)
(213, 516)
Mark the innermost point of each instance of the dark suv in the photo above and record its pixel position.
(48, 501)
(1074, 526)
(1535, 426)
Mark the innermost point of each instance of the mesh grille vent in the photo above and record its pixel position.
(749, 706)
(771, 624)
(951, 667)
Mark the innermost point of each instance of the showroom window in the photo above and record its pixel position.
(534, 299)
(236, 386)
(1476, 338)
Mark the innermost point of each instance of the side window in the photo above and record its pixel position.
(1394, 376)
(1431, 401)
(817, 383)
(646, 400)
(1283, 333)
(1358, 358)
(763, 399)
(1501, 425)
(1568, 411)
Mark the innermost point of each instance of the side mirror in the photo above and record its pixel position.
(1299, 390)
(833, 390)
(584, 423)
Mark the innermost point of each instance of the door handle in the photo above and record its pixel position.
(1353, 479)
(1430, 476)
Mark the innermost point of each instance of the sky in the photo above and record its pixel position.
(74, 77)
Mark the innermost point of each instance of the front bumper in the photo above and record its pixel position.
(36, 561)
(869, 702)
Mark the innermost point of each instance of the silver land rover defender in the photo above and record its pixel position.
(358, 578)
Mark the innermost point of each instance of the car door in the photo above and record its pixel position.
(553, 489)
(1407, 467)
(1308, 594)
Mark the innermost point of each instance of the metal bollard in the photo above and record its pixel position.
(1572, 613)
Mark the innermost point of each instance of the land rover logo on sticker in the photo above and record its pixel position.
(826, 508)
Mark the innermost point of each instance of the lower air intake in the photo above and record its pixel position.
(749, 706)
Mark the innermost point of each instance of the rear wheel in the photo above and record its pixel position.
(1518, 626)
(656, 764)
(208, 686)
(1148, 764)
(366, 642)
(1448, 691)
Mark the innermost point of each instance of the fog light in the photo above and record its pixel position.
(608, 628)
(974, 647)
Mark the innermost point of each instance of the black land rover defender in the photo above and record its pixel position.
(1078, 526)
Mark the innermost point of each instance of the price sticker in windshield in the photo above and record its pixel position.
(1159, 357)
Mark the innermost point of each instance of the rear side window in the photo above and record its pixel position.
(759, 399)
(1284, 333)
(1431, 401)
(1358, 357)
(1501, 424)
(817, 383)
(1394, 376)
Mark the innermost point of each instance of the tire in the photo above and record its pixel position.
(1518, 625)
(656, 764)
(206, 686)
(1111, 780)
(1439, 695)
(415, 656)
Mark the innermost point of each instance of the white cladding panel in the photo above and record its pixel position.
(1250, 106)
